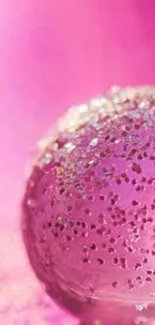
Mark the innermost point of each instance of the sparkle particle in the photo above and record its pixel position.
(117, 141)
(83, 108)
(141, 307)
(98, 102)
(94, 142)
(69, 146)
(47, 158)
(143, 104)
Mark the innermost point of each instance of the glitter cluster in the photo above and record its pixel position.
(89, 206)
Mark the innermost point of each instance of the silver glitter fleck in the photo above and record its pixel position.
(47, 158)
(98, 102)
(94, 142)
(69, 146)
(117, 141)
(62, 219)
(143, 105)
(141, 307)
(86, 250)
(85, 235)
(91, 162)
(83, 108)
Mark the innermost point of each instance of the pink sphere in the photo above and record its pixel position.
(89, 207)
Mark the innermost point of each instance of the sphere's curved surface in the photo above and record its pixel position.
(89, 205)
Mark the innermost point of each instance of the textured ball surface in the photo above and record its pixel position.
(89, 206)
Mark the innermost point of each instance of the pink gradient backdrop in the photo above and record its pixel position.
(54, 53)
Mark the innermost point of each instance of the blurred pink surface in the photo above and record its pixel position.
(54, 54)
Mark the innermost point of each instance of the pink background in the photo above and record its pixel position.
(54, 54)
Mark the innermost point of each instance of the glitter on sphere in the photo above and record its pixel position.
(89, 218)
